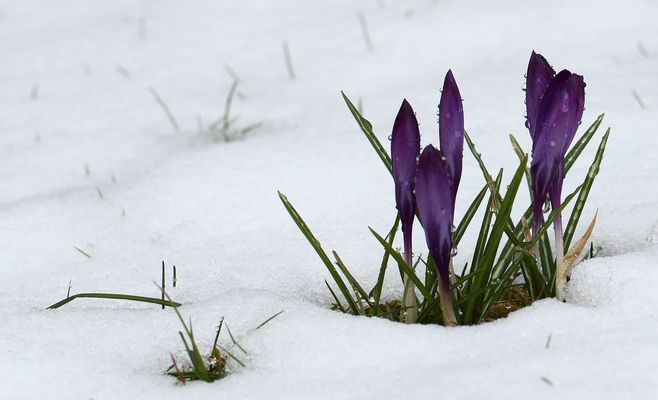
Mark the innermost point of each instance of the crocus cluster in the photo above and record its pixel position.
(428, 184)
(555, 104)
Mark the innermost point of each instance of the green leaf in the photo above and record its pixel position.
(350, 278)
(521, 155)
(481, 242)
(551, 217)
(580, 145)
(584, 192)
(407, 269)
(366, 127)
(116, 296)
(338, 304)
(478, 157)
(376, 292)
(468, 216)
(499, 289)
(318, 249)
(486, 262)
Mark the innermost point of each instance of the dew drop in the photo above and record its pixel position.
(453, 252)
(565, 107)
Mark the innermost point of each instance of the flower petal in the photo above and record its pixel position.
(539, 75)
(405, 147)
(451, 129)
(435, 206)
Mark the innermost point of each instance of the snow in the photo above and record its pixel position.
(211, 208)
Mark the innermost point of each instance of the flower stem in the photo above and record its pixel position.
(560, 275)
(536, 225)
(448, 312)
(409, 310)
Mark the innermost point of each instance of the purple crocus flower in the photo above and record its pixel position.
(434, 196)
(451, 130)
(555, 107)
(405, 147)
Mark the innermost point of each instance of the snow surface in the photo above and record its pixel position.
(211, 208)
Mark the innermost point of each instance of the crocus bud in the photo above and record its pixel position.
(555, 105)
(451, 130)
(434, 188)
(558, 116)
(405, 147)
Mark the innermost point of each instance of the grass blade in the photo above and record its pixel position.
(521, 155)
(376, 292)
(584, 192)
(407, 269)
(235, 342)
(165, 108)
(116, 296)
(468, 216)
(486, 262)
(551, 217)
(580, 145)
(366, 127)
(318, 249)
(338, 304)
(269, 319)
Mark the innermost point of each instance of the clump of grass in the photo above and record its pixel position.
(224, 128)
(211, 367)
(206, 368)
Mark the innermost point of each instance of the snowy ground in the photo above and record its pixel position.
(74, 79)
